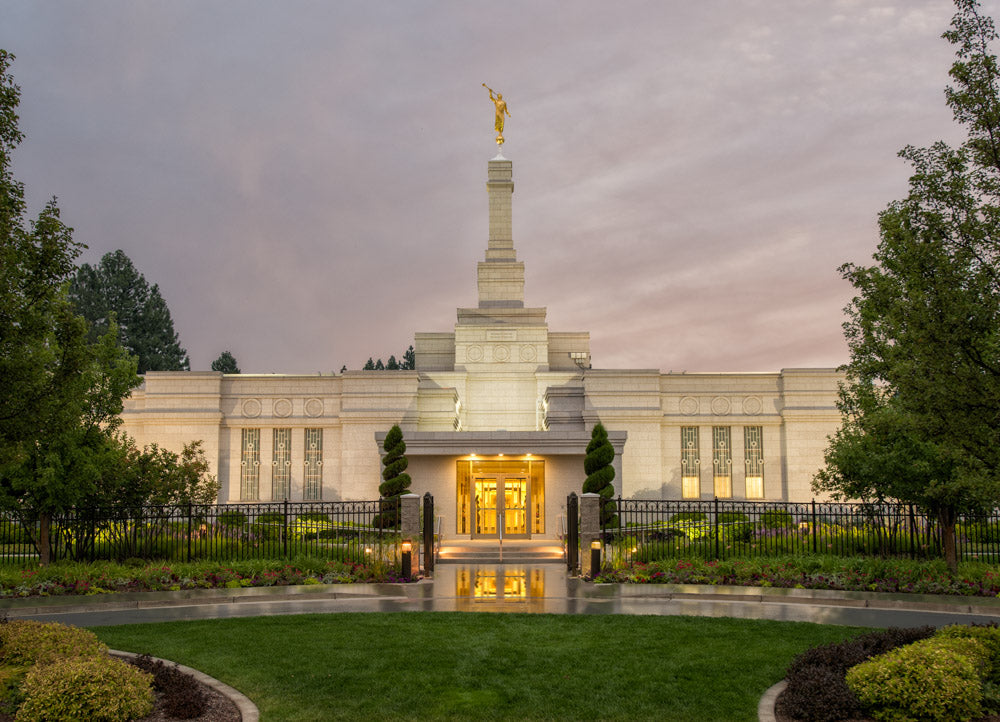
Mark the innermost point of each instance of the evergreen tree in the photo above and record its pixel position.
(60, 395)
(369, 365)
(395, 481)
(921, 404)
(600, 473)
(226, 363)
(393, 364)
(379, 366)
(114, 289)
(409, 362)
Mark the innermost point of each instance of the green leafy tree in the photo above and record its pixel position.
(114, 290)
(226, 363)
(60, 394)
(921, 402)
(395, 480)
(600, 473)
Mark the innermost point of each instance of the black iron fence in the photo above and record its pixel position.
(342, 530)
(647, 530)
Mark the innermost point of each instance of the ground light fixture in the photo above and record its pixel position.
(407, 558)
(595, 557)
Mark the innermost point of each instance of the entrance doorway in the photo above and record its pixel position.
(501, 506)
(500, 498)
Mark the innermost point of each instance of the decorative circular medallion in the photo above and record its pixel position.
(282, 408)
(251, 408)
(314, 408)
(528, 353)
(689, 406)
(501, 353)
(475, 353)
(752, 405)
(720, 406)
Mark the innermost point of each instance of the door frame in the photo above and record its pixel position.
(500, 485)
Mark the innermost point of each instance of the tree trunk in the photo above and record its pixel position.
(948, 541)
(44, 547)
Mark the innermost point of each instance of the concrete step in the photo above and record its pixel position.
(513, 552)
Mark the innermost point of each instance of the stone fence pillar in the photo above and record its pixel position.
(409, 518)
(590, 528)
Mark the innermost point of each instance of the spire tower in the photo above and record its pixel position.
(501, 275)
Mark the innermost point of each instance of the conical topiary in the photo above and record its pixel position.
(395, 481)
(600, 473)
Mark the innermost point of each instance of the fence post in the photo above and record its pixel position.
(590, 529)
(716, 522)
(572, 532)
(190, 524)
(815, 541)
(409, 517)
(284, 528)
(428, 533)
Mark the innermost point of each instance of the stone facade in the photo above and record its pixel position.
(499, 386)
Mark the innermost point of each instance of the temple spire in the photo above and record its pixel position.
(501, 275)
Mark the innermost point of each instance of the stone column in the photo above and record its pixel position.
(590, 528)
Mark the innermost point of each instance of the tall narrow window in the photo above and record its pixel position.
(313, 481)
(281, 465)
(722, 461)
(250, 465)
(690, 463)
(753, 455)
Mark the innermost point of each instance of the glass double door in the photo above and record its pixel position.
(500, 506)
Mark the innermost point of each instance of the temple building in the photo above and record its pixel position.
(496, 417)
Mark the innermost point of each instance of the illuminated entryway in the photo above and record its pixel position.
(499, 498)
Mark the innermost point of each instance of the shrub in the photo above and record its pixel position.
(232, 518)
(271, 517)
(314, 516)
(27, 642)
(777, 519)
(934, 679)
(816, 687)
(13, 533)
(101, 689)
(689, 516)
(732, 517)
(183, 697)
(988, 634)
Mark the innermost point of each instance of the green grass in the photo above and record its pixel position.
(486, 666)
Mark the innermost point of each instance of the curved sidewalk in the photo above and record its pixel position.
(539, 589)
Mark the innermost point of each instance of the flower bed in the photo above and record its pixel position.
(817, 572)
(74, 578)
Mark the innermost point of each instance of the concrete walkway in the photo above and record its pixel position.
(536, 589)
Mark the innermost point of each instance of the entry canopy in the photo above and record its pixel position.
(493, 443)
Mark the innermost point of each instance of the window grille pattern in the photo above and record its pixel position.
(281, 465)
(313, 486)
(722, 461)
(690, 463)
(753, 456)
(250, 465)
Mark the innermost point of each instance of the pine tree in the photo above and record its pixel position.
(392, 365)
(226, 363)
(379, 366)
(369, 365)
(115, 290)
(409, 362)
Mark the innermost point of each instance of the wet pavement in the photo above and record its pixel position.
(500, 588)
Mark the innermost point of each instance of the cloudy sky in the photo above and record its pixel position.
(306, 180)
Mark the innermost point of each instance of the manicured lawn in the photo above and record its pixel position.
(486, 666)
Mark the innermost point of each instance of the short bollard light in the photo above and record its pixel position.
(595, 557)
(407, 558)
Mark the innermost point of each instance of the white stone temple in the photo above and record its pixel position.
(496, 417)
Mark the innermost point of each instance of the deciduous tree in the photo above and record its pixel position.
(921, 403)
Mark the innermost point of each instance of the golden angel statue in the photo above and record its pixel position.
(501, 108)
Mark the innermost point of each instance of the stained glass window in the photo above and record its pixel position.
(690, 463)
(313, 480)
(722, 461)
(281, 465)
(753, 454)
(250, 465)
